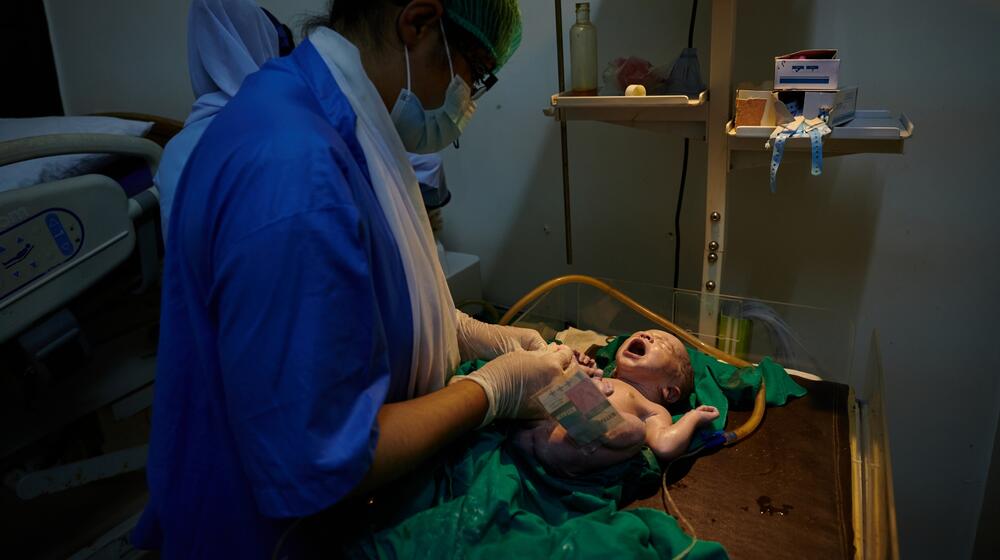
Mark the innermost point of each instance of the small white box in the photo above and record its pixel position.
(840, 105)
(845, 106)
(810, 70)
(816, 102)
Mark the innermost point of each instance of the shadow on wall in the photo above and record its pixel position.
(530, 246)
(811, 242)
(624, 182)
(765, 29)
(507, 182)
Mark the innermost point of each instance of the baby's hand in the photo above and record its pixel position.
(584, 360)
(588, 365)
(705, 414)
(604, 385)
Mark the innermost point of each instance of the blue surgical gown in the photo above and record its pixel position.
(175, 156)
(285, 325)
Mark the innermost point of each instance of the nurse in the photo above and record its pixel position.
(227, 41)
(307, 332)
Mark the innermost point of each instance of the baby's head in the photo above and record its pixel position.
(656, 363)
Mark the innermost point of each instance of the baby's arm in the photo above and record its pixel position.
(667, 439)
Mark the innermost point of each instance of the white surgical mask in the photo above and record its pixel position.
(428, 132)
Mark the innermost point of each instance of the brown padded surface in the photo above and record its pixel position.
(784, 492)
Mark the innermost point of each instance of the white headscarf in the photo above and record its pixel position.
(435, 339)
(227, 41)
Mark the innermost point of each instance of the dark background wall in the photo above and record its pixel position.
(29, 87)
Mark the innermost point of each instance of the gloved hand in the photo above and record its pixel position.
(481, 340)
(511, 380)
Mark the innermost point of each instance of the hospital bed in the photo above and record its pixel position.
(814, 479)
(79, 309)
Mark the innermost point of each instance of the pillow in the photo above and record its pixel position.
(43, 170)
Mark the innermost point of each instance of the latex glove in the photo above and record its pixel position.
(512, 380)
(582, 362)
(481, 340)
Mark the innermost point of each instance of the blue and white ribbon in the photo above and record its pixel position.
(799, 127)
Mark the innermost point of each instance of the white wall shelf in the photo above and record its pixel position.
(871, 132)
(661, 113)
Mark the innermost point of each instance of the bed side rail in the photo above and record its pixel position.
(58, 238)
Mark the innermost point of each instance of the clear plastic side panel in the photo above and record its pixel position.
(809, 339)
(878, 501)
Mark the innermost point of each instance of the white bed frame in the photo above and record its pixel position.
(111, 235)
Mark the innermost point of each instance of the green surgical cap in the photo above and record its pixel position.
(496, 23)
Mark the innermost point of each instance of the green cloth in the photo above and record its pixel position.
(490, 501)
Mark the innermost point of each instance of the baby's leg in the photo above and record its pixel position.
(560, 454)
(524, 438)
(553, 447)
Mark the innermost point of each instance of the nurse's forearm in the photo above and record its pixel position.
(412, 431)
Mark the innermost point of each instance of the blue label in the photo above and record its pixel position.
(59, 234)
(68, 241)
(55, 226)
(805, 80)
(64, 245)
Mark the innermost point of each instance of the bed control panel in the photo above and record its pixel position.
(36, 245)
(56, 240)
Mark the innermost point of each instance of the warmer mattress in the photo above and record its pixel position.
(784, 492)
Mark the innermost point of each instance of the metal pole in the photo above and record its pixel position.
(564, 141)
(719, 84)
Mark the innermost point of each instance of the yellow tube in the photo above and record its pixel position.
(759, 401)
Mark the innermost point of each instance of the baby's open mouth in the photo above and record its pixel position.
(636, 347)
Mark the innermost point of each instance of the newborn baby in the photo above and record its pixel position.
(652, 372)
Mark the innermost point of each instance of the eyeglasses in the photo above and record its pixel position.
(483, 81)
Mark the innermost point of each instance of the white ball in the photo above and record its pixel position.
(635, 90)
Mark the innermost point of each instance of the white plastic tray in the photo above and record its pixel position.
(867, 124)
(567, 100)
